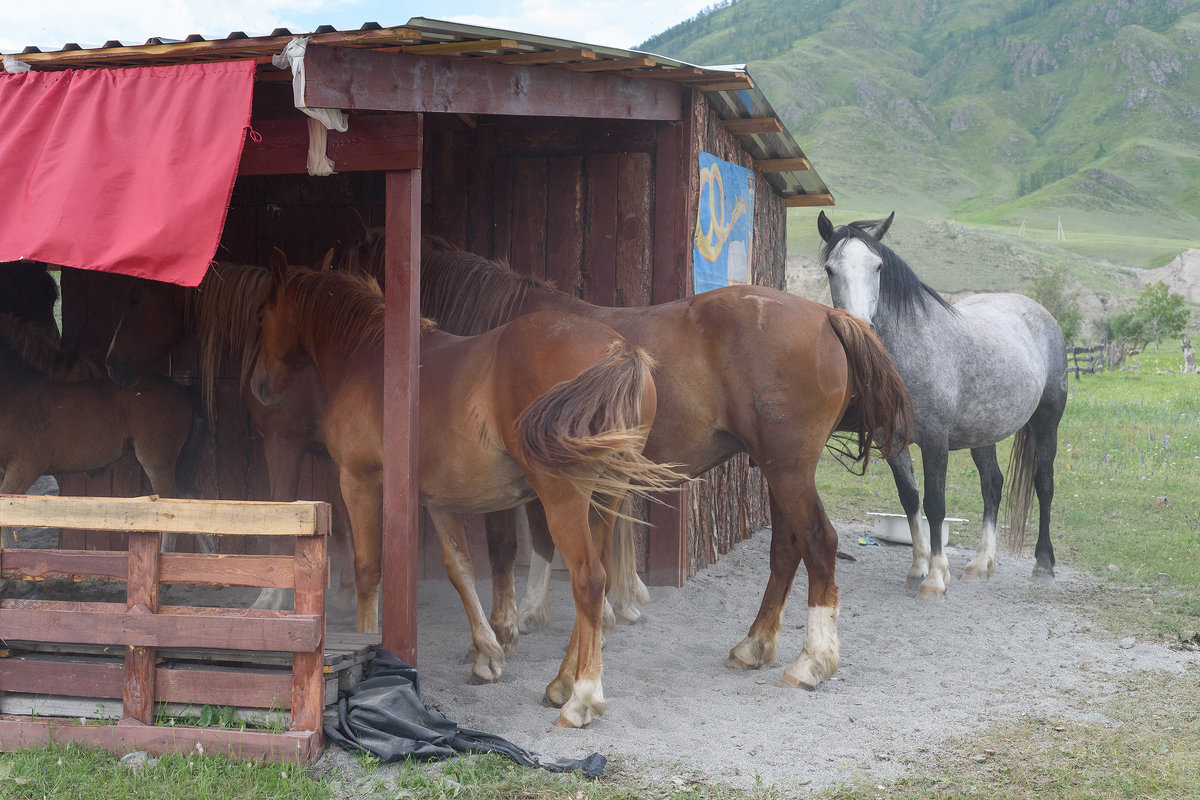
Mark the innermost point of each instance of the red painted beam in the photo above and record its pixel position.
(348, 78)
(295, 633)
(402, 258)
(369, 144)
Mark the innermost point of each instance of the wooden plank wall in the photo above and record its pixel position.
(733, 502)
(566, 200)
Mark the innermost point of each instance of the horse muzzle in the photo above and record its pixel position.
(264, 388)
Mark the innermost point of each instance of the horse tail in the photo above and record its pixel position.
(880, 410)
(1021, 466)
(589, 428)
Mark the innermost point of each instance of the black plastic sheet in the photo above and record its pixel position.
(384, 716)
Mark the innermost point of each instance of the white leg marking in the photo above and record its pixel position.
(935, 583)
(818, 660)
(534, 611)
(587, 698)
(628, 591)
(981, 567)
(271, 599)
(920, 554)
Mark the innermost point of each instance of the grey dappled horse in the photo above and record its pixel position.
(978, 371)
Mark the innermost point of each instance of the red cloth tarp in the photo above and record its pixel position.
(122, 170)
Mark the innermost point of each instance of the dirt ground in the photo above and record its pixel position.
(912, 674)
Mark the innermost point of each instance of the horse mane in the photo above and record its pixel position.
(335, 306)
(899, 286)
(29, 344)
(469, 294)
(224, 314)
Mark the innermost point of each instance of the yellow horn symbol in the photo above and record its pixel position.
(711, 242)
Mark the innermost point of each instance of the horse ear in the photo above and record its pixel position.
(883, 227)
(326, 262)
(824, 227)
(279, 264)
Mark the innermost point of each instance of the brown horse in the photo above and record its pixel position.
(744, 368)
(55, 421)
(550, 404)
(223, 313)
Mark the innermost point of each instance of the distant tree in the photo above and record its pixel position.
(1050, 289)
(1162, 312)
(1128, 327)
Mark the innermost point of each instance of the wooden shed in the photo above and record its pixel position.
(580, 164)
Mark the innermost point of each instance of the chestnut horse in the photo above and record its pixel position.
(550, 404)
(57, 419)
(223, 313)
(743, 368)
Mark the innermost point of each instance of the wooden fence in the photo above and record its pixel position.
(1088, 360)
(140, 626)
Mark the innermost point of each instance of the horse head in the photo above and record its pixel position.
(853, 262)
(280, 349)
(152, 323)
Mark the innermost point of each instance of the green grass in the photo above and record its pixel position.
(1127, 490)
(75, 773)
(1148, 747)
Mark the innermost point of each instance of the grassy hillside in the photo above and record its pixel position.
(991, 113)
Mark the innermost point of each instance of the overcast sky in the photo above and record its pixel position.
(50, 24)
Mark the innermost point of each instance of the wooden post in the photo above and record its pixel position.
(402, 259)
(308, 669)
(666, 563)
(142, 597)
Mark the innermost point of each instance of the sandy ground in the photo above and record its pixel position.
(912, 674)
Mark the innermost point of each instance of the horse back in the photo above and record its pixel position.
(738, 368)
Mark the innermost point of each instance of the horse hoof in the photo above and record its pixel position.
(735, 663)
(530, 621)
(1043, 578)
(627, 615)
(912, 585)
(929, 595)
(581, 721)
(975, 576)
(487, 672)
(789, 682)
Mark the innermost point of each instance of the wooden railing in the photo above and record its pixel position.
(141, 625)
(1089, 360)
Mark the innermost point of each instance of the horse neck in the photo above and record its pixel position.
(546, 299)
(336, 359)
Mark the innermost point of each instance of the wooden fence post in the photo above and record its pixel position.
(142, 597)
(308, 685)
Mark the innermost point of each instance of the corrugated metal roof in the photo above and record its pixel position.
(730, 90)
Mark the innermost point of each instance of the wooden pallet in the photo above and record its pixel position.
(261, 675)
(140, 631)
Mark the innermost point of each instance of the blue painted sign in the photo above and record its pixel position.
(724, 224)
